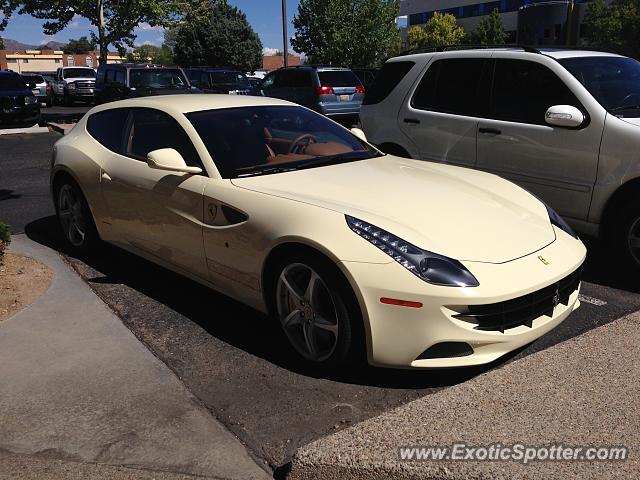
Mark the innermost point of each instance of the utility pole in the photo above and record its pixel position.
(285, 39)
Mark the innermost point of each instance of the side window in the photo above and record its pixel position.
(204, 80)
(383, 84)
(524, 90)
(119, 77)
(151, 129)
(107, 128)
(300, 78)
(457, 86)
(109, 76)
(268, 81)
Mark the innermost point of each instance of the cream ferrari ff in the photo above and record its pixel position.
(358, 254)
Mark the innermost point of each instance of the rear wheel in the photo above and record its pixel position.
(74, 217)
(626, 235)
(316, 311)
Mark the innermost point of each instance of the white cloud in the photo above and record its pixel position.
(75, 22)
(48, 38)
(145, 27)
(269, 51)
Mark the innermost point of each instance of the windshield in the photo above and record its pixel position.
(250, 141)
(33, 79)
(613, 81)
(78, 73)
(11, 82)
(229, 78)
(157, 78)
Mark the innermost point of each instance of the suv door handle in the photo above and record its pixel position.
(412, 121)
(490, 131)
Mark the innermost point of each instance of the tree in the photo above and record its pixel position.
(151, 54)
(82, 45)
(114, 20)
(347, 32)
(218, 35)
(441, 29)
(614, 26)
(490, 30)
(1, 44)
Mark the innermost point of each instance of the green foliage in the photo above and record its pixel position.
(114, 20)
(614, 26)
(82, 45)
(441, 29)
(5, 238)
(1, 44)
(490, 30)
(151, 54)
(217, 34)
(347, 32)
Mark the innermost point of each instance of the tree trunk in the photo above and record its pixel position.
(102, 40)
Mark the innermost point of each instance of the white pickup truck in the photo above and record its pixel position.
(74, 84)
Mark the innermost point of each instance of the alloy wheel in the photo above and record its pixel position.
(70, 213)
(307, 312)
(633, 240)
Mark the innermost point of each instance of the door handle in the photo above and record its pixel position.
(490, 131)
(412, 121)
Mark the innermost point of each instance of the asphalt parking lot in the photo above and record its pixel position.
(235, 361)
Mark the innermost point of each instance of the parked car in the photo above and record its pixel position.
(254, 83)
(334, 92)
(417, 264)
(74, 84)
(18, 104)
(219, 80)
(40, 90)
(366, 75)
(564, 124)
(49, 79)
(129, 80)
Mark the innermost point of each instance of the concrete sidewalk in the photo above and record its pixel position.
(585, 391)
(76, 386)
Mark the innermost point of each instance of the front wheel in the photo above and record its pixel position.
(626, 236)
(316, 311)
(74, 217)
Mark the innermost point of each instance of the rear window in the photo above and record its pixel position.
(106, 127)
(33, 78)
(390, 75)
(458, 86)
(338, 78)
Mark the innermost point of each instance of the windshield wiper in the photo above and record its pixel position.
(339, 158)
(625, 107)
(262, 170)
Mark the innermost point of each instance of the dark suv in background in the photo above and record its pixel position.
(127, 80)
(332, 91)
(18, 104)
(219, 80)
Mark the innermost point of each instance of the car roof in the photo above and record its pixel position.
(553, 52)
(194, 102)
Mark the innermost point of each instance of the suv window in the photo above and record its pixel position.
(524, 90)
(151, 129)
(296, 78)
(455, 85)
(384, 83)
(338, 78)
(106, 128)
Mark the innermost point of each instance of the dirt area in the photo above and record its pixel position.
(22, 281)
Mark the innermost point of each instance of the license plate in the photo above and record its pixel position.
(344, 98)
(35, 90)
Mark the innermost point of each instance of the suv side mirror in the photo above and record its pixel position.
(564, 116)
(171, 160)
(359, 133)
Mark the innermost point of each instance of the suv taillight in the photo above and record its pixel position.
(359, 89)
(324, 91)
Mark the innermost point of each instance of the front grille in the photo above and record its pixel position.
(239, 92)
(85, 87)
(522, 310)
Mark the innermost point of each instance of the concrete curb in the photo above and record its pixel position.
(580, 392)
(62, 128)
(16, 131)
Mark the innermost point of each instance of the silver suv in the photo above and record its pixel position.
(564, 124)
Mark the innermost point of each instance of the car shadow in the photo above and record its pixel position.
(196, 302)
(600, 268)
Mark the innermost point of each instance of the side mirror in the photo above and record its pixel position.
(564, 116)
(169, 159)
(359, 133)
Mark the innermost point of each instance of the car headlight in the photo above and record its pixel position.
(430, 267)
(559, 222)
(71, 86)
(30, 100)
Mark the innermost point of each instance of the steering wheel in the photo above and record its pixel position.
(300, 144)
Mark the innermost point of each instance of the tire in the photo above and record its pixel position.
(66, 100)
(625, 236)
(321, 322)
(74, 217)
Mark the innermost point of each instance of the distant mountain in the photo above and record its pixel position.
(10, 44)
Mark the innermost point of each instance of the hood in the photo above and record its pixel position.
(79, 79)
(454, 211)
(16, 92)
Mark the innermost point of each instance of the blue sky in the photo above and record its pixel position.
(264, 15)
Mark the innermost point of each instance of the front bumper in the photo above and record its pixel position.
(397, 335)
(15, 115)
